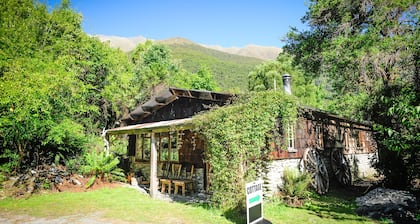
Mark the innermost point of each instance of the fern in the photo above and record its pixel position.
(90, 182)
(295, 183)
(101, 165)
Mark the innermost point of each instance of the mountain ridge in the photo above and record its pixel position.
(127, 44)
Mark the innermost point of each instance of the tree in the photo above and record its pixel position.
(368, 50)
(57, 85)
(264, 76)
(153, 65)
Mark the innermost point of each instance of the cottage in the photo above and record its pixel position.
(163, 145)
(160, 136)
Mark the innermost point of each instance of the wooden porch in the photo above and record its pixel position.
(167, 156)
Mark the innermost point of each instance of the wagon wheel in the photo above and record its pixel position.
(340, 167)
(312, 163)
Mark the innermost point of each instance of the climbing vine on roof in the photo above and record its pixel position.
(237, 139)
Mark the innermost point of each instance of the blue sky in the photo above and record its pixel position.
(213, 22)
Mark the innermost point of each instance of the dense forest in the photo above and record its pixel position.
(60, 87)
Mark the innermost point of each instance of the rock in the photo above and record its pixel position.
(388, 203)
(58, 180)
(30, 185)
(134, 181)
(75, 181)
(10, 182)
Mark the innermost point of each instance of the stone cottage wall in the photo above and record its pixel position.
(361, 165)
(275, 174)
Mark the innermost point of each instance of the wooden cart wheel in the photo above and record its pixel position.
(312, 163)
(340, 167)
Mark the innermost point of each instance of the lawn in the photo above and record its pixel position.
(122, 204)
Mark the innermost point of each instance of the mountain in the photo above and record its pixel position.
(230, 66)
(127, 44)
(261, 52)
(230, 71)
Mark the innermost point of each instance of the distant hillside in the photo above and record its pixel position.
(126, 44)
(261, 52)
(230, 71)
(230, 66)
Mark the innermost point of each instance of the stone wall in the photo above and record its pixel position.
(275, 173)
(199, 180)
(361, 165)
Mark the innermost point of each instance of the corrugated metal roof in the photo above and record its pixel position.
(167, 96)
(160, 126)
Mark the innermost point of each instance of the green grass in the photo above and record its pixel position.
(336, 207)
(114, 203)
(126, 204)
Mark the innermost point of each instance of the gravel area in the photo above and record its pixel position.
(94, 218)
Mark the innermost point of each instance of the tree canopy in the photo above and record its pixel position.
(59, 87)
(154, 66)
(368, 50)
(268, 76)
(57, 83)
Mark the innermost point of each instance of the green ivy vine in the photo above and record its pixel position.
(238, 137)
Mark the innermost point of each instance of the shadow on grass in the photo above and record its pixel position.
(235, 215)
(338, 204)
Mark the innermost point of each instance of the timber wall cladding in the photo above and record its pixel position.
(326, 133)
(192, 150)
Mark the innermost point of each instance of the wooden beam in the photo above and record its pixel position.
(153, 168)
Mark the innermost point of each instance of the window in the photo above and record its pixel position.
(146, 146)
(143, 147)
(174, 146)
(290, 135)
(166, 145)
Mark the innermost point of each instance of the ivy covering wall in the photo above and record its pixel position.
(237, 139)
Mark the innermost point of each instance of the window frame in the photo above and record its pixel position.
(290, 137)
(143, 145)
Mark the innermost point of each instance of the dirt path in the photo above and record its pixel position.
(94, 218)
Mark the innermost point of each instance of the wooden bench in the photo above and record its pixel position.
(184, 183)
(166, 182)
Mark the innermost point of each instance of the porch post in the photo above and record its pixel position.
(153, 167)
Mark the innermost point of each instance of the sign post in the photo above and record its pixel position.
(254, 202)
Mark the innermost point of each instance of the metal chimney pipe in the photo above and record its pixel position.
(287, 84)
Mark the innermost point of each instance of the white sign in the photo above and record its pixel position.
(254, 202)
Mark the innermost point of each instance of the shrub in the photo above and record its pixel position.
(295, 186)
(9, 162)
(72, 165)
(101, 165)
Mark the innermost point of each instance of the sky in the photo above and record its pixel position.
(228, 23)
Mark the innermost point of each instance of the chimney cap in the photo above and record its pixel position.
(287, 84)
